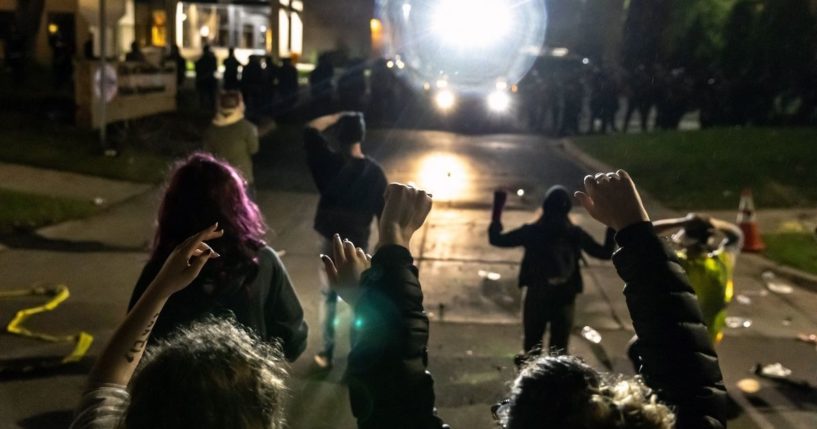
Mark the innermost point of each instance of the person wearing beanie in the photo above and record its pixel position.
(232, 137)
(351, 185)
(549, 276)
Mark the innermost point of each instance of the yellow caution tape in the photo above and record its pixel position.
(82, 340)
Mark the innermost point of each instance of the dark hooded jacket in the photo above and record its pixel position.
(674, 350)
(551, 241)
(389, 386)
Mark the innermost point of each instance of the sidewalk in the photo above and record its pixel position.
(104, 192)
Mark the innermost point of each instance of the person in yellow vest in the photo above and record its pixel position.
(707, 249)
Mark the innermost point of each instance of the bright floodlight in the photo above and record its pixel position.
(471, 44)
(471, 23)
(499, 101)
(445, 100)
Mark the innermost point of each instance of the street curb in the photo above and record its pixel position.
(103, 210)
(593, 164)
(800, 278)
(582, 158)
(43, 231)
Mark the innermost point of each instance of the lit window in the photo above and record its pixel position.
(283, 33)
(297, 33)
(158, 31)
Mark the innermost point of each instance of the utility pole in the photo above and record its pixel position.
(103, 27)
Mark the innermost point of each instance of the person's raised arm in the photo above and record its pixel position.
(733, 234)
(677, 358)
(116, 364)
(496, 237)
(664, 226)
(322, 123)
(387, 378)
(319, 155)
(596, 250)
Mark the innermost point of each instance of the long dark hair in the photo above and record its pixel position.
(203, 190)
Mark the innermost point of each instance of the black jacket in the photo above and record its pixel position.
(536, 238)
(351, 190)
(389, 386)
(676, 354)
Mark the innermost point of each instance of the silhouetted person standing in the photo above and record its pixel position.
(352, 86)
(351, 187)
(252, 85)
(603, 100)
(549, 275)
(321, 87)
(231, 65)
(181, 65)
(573, 96)
(62, 62)
(88, 49)
(552, 99)
(642, 96)
(270, 84)
(288, 84)
(135, 54)
(383, 88)
(673, 99)
(206, 83)
(16, 54)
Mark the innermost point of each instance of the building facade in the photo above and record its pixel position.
(282, 28)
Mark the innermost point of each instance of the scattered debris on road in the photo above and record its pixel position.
(738, 322)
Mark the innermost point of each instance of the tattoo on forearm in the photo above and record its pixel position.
(140, 343)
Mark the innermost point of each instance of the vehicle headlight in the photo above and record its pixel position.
(445, 100)
(498, 101)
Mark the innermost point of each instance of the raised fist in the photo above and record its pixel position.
(405, 211)
(612, 199)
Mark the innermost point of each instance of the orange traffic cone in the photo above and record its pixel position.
(752, 242)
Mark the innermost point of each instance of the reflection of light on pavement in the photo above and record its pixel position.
(490, 275)
(591, 335)
(748, 385)
(444, 175)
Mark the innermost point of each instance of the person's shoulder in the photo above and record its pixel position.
(102, 407)
(247, 125)
(269, 255)
(374, 165)
(372, 161)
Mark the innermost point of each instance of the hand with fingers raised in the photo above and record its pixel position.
(612, 199)
(186, 261)
(404, 213)
(345, 267)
